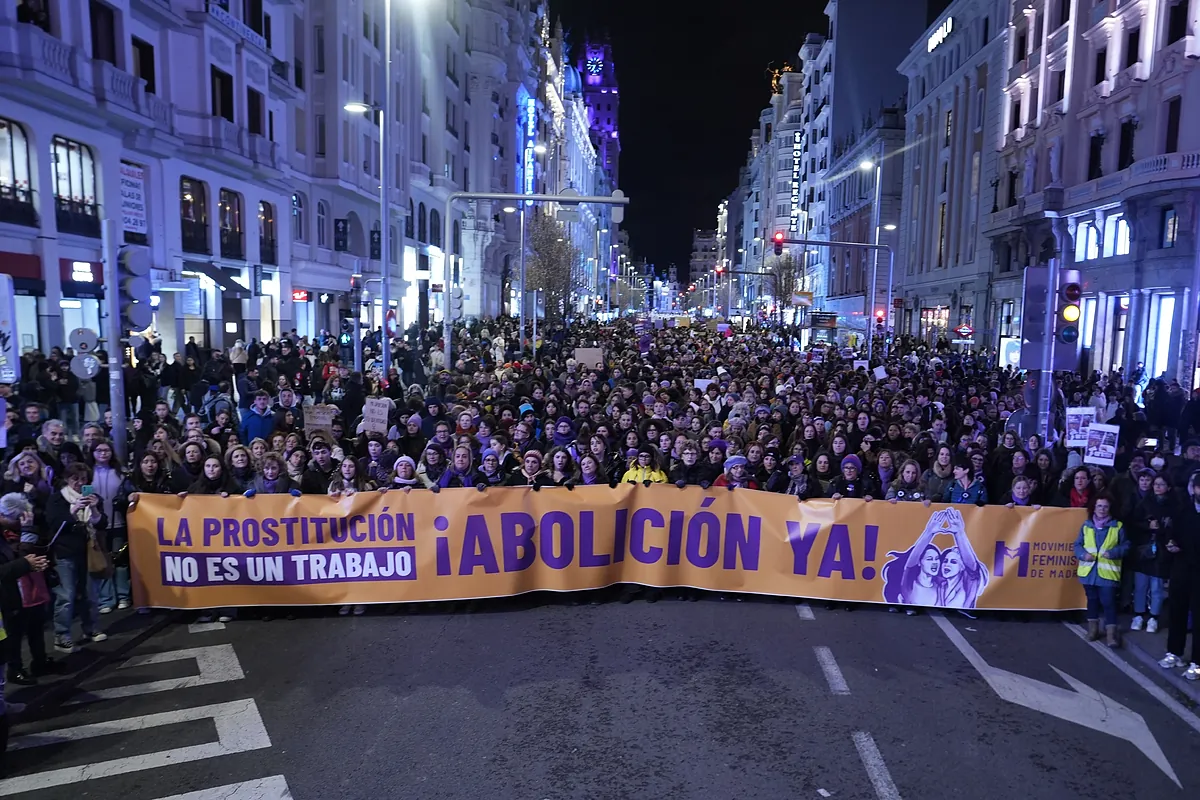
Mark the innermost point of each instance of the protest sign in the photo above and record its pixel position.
(881, 373)
(702, 383)
(589, 357)
(862, 364)
(319, 420)
(278, 550)
(1101, 445)
(375, 415)
(1079, 419)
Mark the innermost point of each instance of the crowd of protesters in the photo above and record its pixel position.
(672, 405)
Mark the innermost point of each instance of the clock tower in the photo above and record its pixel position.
(602, 100)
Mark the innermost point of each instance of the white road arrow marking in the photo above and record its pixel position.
(217, 664)
(1081, 704)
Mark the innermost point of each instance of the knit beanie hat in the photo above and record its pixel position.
(853, 461)
(13, 505)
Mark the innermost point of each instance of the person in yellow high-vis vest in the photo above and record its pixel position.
(1100, 547)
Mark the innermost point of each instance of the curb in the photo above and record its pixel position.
(66, 687)
(1191, 689)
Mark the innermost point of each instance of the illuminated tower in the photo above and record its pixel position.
(600, 96)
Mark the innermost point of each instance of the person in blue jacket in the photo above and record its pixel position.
(1100, 546)
(259, 420)
(965, 488)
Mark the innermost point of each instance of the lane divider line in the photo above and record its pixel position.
(833, 673)
(877, 771)
(804, 611)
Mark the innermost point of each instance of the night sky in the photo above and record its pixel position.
(692, 84)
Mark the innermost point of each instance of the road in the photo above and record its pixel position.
(677, 700)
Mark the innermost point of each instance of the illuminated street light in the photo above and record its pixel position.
(539, 148)
(510, 209)
(889, 227)
(357, 108)
(866, 164)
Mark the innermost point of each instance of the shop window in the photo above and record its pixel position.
(16, 191)
(75, 188)
(299, 228)
(193, 215)
(322, 222)
(435, 228)
(229, 217)
(267, 241)
(1162, 318)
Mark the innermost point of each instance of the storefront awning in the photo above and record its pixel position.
(225, 279)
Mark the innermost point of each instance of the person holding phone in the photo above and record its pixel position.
(24, 595)
(12, 568)
(75, 517)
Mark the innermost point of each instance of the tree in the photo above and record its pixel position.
(552, 264)
(784, 281)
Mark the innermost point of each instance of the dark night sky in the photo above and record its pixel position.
(692, 84)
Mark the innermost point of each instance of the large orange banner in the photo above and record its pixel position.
(278, 550)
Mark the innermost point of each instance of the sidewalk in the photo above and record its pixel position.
(1148, 648)
(126, 630)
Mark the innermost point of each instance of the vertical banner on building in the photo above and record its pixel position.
(133, 199)
(10, 339)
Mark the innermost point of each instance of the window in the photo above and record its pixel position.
(1133, 43)
(222, 94)
(949, 126)
(1170, 227)
(1174, 109)
(267, 241)
(104, 32)
(252, 15)
(322, 224)
(35, 12)
(143, 63)
(1064, 12)
(1125, 144)
(1020, 46)
(193, 213)
(1100, 70)
(1060, 85)
(319, 49)
(1162, 322)
(1012, 188)
(1015, 122)
(366, 26)
(986, 30)
(1095, 156)
(266, 31)
(74, 178)
(1123, 237)
(299, 228)
(16, 191)
(435, 228)
(393, 245)
(456, 238)
(1177, 21)
(254, 112)
(941, 240)
(1087, 241)
(229, 220)
(421, 230)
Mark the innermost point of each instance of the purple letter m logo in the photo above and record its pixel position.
(1004, 552)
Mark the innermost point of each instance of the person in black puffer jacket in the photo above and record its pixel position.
(72, 518)
(1184, 546)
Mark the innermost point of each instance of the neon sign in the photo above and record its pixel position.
(797, 162)
(530, 132)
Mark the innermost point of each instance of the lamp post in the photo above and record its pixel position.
(598, 232)
(385, 263)
(877, 218)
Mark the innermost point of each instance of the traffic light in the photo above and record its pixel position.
(879, 317)
(133, 279)
(355, 282)
(347, 325)
(779, 243)
(456, 303)
(1066, 324)
(720, 270)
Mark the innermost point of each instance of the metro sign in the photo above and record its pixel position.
(964, 331)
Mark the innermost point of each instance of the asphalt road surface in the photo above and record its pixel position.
(675, 700)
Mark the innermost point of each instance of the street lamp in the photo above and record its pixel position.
(540, 149)
(385, 261)
(867, 165)
(510, 209)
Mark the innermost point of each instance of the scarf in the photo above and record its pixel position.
(1078, 499)
(563, 439)
(108, 483)
(84, 514)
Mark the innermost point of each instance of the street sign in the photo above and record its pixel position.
(436, 288)
(964, 331)
(85, 365)
(83, 340)
(341, 235)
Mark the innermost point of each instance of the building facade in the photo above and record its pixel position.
(955, 79)
(185, 155)
(865, 185)
(1097, 166)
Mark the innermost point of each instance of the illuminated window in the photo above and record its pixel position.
(1170, 227)
(1122, 246)
(1087, 242)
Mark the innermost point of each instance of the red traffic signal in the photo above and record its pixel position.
(720, 269)
(779, 243)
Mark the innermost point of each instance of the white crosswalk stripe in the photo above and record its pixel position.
(238, 723)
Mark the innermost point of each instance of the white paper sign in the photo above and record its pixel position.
(881, 373)
(133, 198)
(375, 415)
(1101, 444)
(863, 363)
(702, 383)
(10, 340)
(1079, 419)
(589, 357)
(319, 420)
